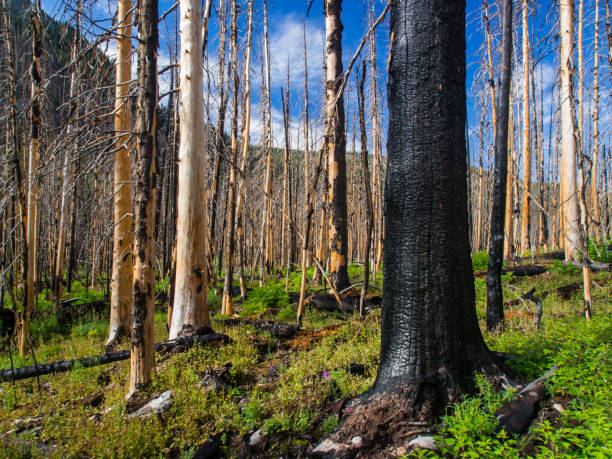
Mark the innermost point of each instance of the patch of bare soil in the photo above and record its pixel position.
(305, 339)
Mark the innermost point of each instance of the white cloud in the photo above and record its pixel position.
(287, 45)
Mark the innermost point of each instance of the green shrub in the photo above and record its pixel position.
(287, 314)
(480, 260)
(564, 268)
(599, 252)
(264, 297)
(329, 424)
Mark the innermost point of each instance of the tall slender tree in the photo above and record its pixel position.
(594, 173)
(190, 310)
(569, 198)
(336, 147)
(495, 298)
(142, 349)
(526, 206)
(33, 174)
(122, 277)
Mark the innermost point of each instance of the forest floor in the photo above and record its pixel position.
(264, 397)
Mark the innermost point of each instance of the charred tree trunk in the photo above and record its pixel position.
(142, 349)
(495, 298)
(431, 342)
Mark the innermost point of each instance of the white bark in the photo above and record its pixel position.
(190, 311)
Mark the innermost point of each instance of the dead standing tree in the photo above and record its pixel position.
(495, 299)
(142, 355)
(122, 278)
(336, 147)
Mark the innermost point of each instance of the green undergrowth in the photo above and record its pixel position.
(288, 390)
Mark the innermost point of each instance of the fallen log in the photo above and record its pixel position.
(103, 359)
(515, 416)
(69, 313)
(350, 301)
(277, 329)
(565, 292)
(597, 267)
(519, 271)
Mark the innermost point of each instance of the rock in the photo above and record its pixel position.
(158, 405)
(357, 441)
(425, 442)
(326, 446)
(558, 408)
(213, 383)
(256, 438)
(208, 450)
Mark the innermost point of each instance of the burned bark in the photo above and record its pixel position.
(143, 309)
(431, 343)
(495, 298)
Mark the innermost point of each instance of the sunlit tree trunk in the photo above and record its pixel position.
(122, 277)
(526, 207)
(508, 221)
(142, 349)
(336, 147)
(569, 196)
(190, 309)
(226, 304)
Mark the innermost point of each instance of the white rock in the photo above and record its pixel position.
(156, 406)
(256, 438)
(356, 441)
(558, 408)
(426, 442)
(326, 446)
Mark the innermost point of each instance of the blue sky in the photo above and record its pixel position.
(286, 28)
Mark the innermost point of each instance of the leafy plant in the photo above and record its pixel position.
(480, 260)
(329, 424)
(264, 297)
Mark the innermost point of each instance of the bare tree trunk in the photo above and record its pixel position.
(526, 207)
(594, 174)
(336, 147)
(266, 227)
(368, 194)
(20, 210)
(122, 277)
(226, 304)
(245, 149)
(219, 142)
(286, 210)
(495, 298)
(142, 349)
(508, 220)
(190, 310)
(33, 180)
(568, 141)
(61, 230)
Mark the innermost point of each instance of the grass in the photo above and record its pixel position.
(288, 392)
